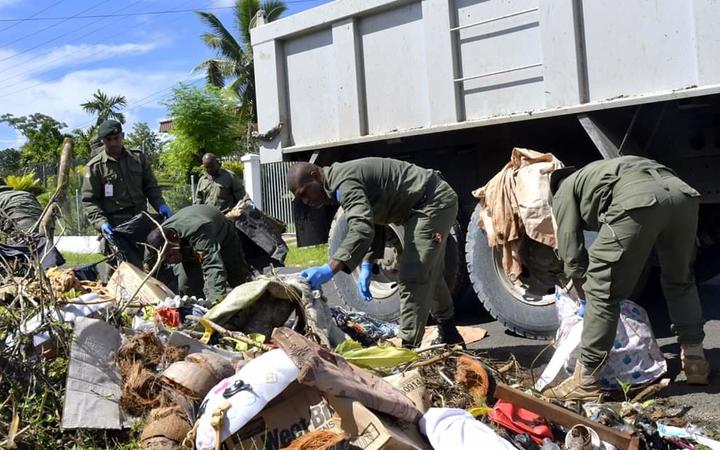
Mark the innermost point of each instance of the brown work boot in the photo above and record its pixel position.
(694, 364)
(448, 334)
(582, 385)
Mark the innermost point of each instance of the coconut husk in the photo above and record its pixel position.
(220, 367)
(141, 390)
(165, 428)
(148, 350)
(472, 376)
(190, 379)
(319, 440)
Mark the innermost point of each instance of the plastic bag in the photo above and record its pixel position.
(635, 357)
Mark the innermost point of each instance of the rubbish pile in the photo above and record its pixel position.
(273, 366)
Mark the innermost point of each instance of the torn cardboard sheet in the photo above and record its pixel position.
(126, 280)
(469, 335)
(412, 385)
(299, 410)
(93, 381)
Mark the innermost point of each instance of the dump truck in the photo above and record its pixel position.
(454, 85)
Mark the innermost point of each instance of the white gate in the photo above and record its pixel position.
(276, 198)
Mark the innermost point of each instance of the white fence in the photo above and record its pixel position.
(267, 186)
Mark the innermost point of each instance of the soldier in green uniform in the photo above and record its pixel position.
(118, 183)
(218, 187)
(635, 204)
(20, 210)
(206, 251)
(382, 191)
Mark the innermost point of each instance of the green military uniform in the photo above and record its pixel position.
(223, 190)
(635, 204)
(116, 190)
(212, 252)
(21, 210)
(382, 191)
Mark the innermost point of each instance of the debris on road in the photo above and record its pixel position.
(273, 366)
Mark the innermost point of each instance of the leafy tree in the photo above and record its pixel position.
(204, 120)
(142, 137)
(10, 162)
(234, 60)
(105, 106)
(83, 142)
(44, 138)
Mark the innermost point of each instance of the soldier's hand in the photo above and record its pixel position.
(106, 229)
(165, 211)
(317, 276)
(363, 282)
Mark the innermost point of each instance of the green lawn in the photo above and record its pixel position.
(76, 259)
(306, 256)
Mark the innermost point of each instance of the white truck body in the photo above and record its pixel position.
(354, 71)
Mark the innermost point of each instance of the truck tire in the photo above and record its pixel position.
(386, 298)
(526, 312)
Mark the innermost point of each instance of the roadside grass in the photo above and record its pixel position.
(306, 256)
(78, 259)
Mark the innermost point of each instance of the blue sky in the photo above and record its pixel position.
(52, 66)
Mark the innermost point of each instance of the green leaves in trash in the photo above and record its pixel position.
(243, 346)
(381, 356)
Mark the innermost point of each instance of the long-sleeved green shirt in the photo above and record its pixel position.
(116, 190)
(203, 228)
(372, 191)
(223, 191)
(582, 200)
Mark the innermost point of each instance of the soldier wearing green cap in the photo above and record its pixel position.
(118, 182)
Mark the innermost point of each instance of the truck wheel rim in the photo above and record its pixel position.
(532, 291)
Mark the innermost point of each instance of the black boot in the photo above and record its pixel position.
(448, 334)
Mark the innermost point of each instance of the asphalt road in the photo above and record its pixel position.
(702, 401)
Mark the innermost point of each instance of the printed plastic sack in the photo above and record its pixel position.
(248, 392)
(635, 357)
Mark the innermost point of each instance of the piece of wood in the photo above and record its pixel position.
(49, 214)
(564, 417)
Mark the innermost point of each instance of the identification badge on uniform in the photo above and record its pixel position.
(108, 190)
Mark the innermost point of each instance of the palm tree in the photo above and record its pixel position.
(234, 60)
(105, 106)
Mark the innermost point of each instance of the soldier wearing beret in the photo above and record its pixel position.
(118, 182)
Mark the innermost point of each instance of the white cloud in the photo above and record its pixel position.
(219, 3)
(61, 98)
(4, 3)
(14, 70)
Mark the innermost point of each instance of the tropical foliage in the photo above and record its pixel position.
(43, 135)
(105, 107)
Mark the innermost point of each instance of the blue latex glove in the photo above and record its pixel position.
(317, 276)
(165, 211)
(363, 282)
(106, 229)
(581, 310)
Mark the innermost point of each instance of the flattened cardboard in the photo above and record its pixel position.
(412, 385)
(126, 280)
(300, 409)
(93, 381)
(469, 335)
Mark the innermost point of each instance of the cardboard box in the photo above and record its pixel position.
(412, 385)
(126, 280)
(301, 409)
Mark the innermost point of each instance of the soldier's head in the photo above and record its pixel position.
(173, 252)
(211, 163)
(305, 181)
(111, 134)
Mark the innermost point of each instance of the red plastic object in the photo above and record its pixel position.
(521, 421)
(168, 316)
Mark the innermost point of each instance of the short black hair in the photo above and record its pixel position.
(155, 237)
(558, 176)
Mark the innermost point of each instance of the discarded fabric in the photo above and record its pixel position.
(456, 429)
(363, 328)
(376, 357)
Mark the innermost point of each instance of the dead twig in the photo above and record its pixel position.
(232, 334)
